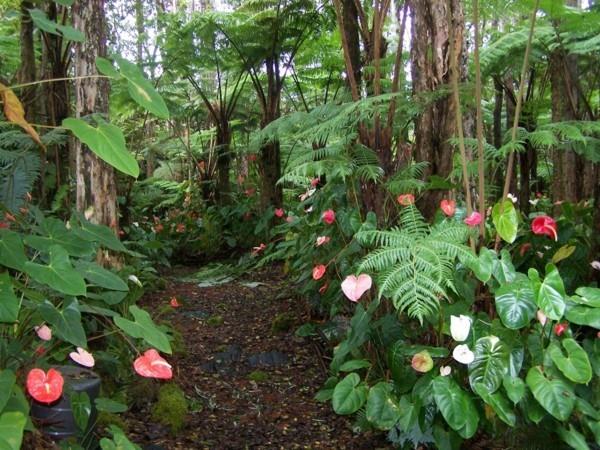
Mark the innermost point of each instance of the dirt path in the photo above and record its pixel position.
(250, 386)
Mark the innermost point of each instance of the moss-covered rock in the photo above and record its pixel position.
(215, 321)
(171, 408)
(283, 322)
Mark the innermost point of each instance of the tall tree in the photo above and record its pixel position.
(27, 71)
(96, 185)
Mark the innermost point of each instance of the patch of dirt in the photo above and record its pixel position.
(250, 387)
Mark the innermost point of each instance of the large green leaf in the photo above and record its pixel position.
(349, 395)
(382, 406)
(499, 404)
(98, 275)
(106, 141)
(514, 387)
(9, 303)
(576, 365)
(504, 270)
(92, 232)
(108, 405)
(456, 406)
(66, 323)
(12, 425)
(555, 396)
(43, 23)
(82, 409)
(144, 328)
(550, 293)
(588, 296)
(12, 252)
(7, 381)
(54, 232)
(106, 67)
(490, 363)
(515, 303)
(506, 220)
(573, 437)
(582, 315)
(483, 266)
(141, 90)
(59, 274)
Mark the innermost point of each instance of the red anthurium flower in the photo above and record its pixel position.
(318, 272)
(545, 225)
(448, 207)
(4, 225)
(474, 219)
(328, 216)
(524, 248)
(45, 387)
(252, 157)
(174, 302)
(560, 328)
(279, 212)
(180, 228)
(152, 365)
(406, 199)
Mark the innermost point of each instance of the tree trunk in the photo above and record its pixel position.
(96, 185)
(430, 57)
(27, 73)
(223, 161)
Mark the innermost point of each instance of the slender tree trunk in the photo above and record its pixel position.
(223, 162)
(27, 72)
(96, 185)
(430, 71)
(498, 100)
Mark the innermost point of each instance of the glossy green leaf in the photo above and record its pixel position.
(12, 252)
(550, 293)
(515, 303)
(349, 395)
(504, 270)
(499, 404)
(354, 364)
(7, 381)
(110, 406)
(82, 409)
(506, 220)
(575, 365)
(483, 266)
(9, 303)
(43, 23)
(582, 315)
(101, 277)
(12, 425)
(54, 232)
(59, 274)
(144, 328)
(119, 442)
(555, 396)
(514, 387)
(574, 438)
(106, 68)
(107, 142)
(92, 232)
(382, 406)
(66, 323)
(490, 364)
(456, 406)
(141, 90)
(589, 296)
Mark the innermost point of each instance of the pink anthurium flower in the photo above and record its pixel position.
(322, 240)
(318, 271)
(474, 219)
(45, 387)
(545, 225)
(406, 199)
(314, 182)
(82, 357)
(560, 328)
(328, 216)
(152, 365)
(354, 287)
(44, 332)
(448, 207)
(541, 317)
(279, 212)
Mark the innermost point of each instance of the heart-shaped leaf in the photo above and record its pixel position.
(506, 220)
(66, 323)
(382, 406)
(12, 425)
(92, 232)
(504, 270)
(144, 328)
(98, 275)
(54, 232)
(576, 365)
(582, 315)
(82, 409)
(515, 303)
(550, 294)
(456, 406)
(555, 396)
(59, 274)
(349, 395)
(12, 252)
(514, 387)
(7, 381)
(499, 404)
(588, 296)
(9, 303)
(490, 364)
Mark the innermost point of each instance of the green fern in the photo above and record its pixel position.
(18, 172)
(414, 261)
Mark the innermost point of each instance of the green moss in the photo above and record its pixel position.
(258, 376)
(215, 321)
(171, 408)
(178, 343)
(282, 323)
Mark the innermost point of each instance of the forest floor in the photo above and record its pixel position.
(251, 384)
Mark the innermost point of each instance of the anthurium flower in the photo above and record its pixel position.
(595, 265)
(45, 387)
(279, 212)
(174, 302)
(135, 280)
(541, 317)
(560, 328)
(460, 326)
(158, 227)
(474, 219)
(180, 228)
(445, 371)
(545, 225)
(152, 365)
(524, 248)
(44, 332)
(448, 207)
(318, 271)
(354, 287)
(257, 250)
(289, 219)
(463, 354)
(82, 357)
(422, 362)
(314, 182)
(512, 198)
(322, 240)
(328, 216)
(323, 288)
(406, 199)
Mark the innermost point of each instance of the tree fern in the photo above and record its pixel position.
(414, 261)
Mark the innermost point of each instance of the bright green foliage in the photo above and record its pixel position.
(171, 407)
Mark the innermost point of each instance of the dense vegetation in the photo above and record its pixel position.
(425, 172)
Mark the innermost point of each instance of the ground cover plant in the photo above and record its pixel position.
(290, 223)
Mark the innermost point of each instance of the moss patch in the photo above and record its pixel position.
(215, 321)
(171, 408)
(282, 322)
(258, 376)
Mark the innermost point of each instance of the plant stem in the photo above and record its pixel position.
(51, 80)
(479, 120)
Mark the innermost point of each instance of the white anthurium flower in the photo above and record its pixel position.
(135, 279)
(595, 265)
(135, 224)
(460, 327)
(512, 198)
(445, 371)
(463, 354)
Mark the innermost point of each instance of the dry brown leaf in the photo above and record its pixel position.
(13, 110)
